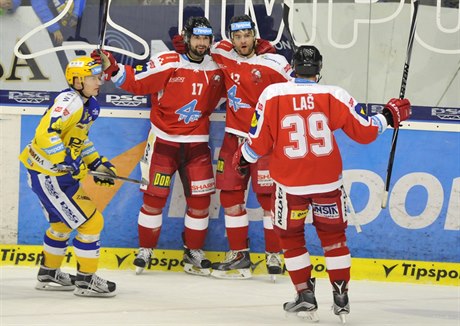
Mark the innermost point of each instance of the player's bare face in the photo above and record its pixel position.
(243, 42)
(199, 45)
(91, 85)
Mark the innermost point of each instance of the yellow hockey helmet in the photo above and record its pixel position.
(80, 68)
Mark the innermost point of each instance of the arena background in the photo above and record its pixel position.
(416, 239)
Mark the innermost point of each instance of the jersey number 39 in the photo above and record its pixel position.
(318, 131)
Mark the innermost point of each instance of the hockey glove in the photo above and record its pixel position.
(264, 46)
(103, 165)
(109, 64)
(239, 163)
(396, 111)
(75, 164)
(179, 44)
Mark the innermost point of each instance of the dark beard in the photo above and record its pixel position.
(198, 54)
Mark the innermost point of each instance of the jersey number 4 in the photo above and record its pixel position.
(318, 131)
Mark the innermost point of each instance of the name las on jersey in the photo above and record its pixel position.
(294, 121)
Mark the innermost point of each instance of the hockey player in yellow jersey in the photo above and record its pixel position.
(57, 158)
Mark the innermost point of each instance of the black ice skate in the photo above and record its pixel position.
(274, 265)
(305, 305)
(51, 279)
(142, 259)
(341, 304)
(237, 265)
(91, 285)
(196, 263)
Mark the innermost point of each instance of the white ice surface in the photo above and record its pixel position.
(162, 298)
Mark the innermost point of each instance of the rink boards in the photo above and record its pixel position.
(407, 271)
(421, 222)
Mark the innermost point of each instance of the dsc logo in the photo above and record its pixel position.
(126, 100)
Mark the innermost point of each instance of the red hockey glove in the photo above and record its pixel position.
(396, 111)
(179, 44)
(264, 46)
(109, 64)
(240, 165)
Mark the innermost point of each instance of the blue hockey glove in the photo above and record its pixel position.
(75, 163)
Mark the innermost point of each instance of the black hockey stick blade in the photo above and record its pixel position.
(103, 13)
(117, 177)
(402, 93)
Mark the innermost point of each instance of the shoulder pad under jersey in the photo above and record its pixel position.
(66, 103)
(278, 58)
(167, 57)
(224, 45)
(275, 61)
(208, 61)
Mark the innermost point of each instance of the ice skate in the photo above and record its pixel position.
(142, 259)
(196, 263)
(274, 266)
(91, 285)
(341, 305)
(52, 279)
(305, 305)
(237, 265)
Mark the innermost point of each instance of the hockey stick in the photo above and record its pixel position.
(103, 13)
(286, 10)
(117, 177)
(67, 168)
(401, 95)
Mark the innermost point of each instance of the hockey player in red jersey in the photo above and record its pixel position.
(294, 123)
(246, 76)
(189, 86)
(249, 65)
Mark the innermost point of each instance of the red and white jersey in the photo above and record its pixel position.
(245, 79)
(187, 94)
(294, 121)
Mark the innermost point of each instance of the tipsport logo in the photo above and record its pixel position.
(412, 270)
(29, 97)
(20, 257)
(154, 263)
(126, 100)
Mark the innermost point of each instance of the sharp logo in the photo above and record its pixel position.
(446, 114)
(126, 100)
(388, 269)
(28, 97)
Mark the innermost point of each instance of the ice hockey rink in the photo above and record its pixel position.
(171, 298)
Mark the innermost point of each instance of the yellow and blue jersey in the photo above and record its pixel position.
(65, 124)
